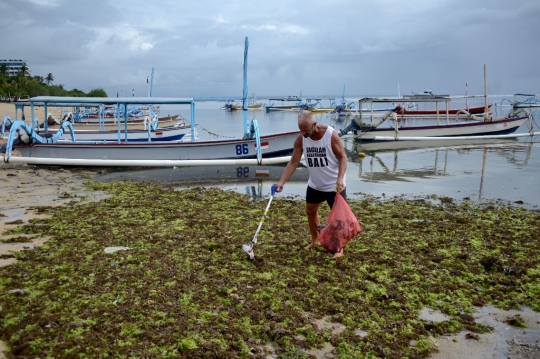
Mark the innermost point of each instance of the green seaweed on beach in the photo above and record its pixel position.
(18, 239)
(182, 286)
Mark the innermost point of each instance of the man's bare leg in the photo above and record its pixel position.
(312, 211)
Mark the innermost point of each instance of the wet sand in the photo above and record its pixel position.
(23, 186)
(503, 342)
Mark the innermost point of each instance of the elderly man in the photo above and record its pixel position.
(326, 161)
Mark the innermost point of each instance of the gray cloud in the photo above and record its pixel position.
(371, 47)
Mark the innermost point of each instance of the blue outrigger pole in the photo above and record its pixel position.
(151, 92)
(245, 94)
(250, 131)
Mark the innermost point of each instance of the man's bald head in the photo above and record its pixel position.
(306, 119)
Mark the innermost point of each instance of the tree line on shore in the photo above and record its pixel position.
(22, 86)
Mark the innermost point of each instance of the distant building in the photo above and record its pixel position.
(14, 66)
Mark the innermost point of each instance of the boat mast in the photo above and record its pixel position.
(466, 97)
(151, 93)
(486, 109)
(151, 90)
(245, 94)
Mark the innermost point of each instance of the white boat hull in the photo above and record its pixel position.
(274, 145)
(161, 134)
(469, 128)
(112, 124)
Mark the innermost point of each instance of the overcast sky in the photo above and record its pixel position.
(372, 47)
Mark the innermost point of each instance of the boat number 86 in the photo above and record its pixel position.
(242, 149)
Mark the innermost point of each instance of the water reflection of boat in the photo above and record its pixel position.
(377, 146)
(387, 167)
(373, 167)
(200, 175)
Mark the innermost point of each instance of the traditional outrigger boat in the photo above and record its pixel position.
(229, 106)
(251, 149)
(523, 100)
(112, 123)
(74, 113)
(315, 107)
(147, 130)
(409, 110)
(404, 112)
(272, 107)
(444, 126)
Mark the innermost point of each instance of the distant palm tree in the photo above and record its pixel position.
(49, 78)
(3, 69)
(23, 71)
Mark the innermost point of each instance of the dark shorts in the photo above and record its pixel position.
(313, 196)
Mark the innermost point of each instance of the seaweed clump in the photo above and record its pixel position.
(185, 288)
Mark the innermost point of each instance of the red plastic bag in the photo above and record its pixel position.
(341, 226)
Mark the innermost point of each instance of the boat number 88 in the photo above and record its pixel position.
(242, 172)
(242, 149)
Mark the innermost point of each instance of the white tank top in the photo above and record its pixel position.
(322, 163)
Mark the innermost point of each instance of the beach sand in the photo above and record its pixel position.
(24, 186)
(8, 109)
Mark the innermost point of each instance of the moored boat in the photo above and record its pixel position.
(403, 111)
(366, 128)
(293, 98)
(122, 152)
(283, 108)
(71, 112)
(148, 130)
(238, 107)
(321, 109)
(425, 95)
(234, 149)
(522, 100)
(171, 133)
(111, 125)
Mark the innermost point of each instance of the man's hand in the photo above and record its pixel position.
(276, 188)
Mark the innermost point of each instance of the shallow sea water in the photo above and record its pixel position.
(508, 170)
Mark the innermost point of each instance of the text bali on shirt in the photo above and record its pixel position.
(316, 157)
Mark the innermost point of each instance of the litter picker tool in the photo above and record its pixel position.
(248, 248)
